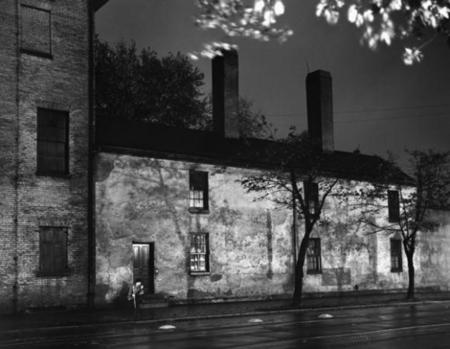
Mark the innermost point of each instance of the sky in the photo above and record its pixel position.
(380, 104)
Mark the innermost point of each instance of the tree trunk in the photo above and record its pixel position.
(409, 257)
(297, 298)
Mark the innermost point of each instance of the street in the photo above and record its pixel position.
(407, 326)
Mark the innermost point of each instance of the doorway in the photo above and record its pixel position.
(144, 265)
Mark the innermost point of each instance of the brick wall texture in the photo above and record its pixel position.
(29, 81)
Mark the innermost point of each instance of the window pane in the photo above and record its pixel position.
(396, 255)
(393, 205)
(36, 29)
(52, 142)
(311, 191)
(53, 250)
(198, 189)
(198, 180)
(313, 257)
(199, 252)
(49, 133)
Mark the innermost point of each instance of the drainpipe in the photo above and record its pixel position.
(15, 290)
(294, 233)
(91, 158)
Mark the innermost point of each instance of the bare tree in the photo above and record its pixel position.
(297, 182)
(409, 203)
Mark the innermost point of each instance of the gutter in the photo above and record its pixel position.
(15, 288)
(91, 157)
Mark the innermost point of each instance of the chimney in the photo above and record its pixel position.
(225, 86)
(319, 100)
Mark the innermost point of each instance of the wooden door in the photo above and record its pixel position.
(144, 265)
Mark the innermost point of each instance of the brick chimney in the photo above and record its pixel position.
(319, 100)
(225, 87)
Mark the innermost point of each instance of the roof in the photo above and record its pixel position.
(145, 139)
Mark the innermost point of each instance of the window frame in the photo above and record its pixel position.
(40, 171)
(206, 254)
(393, 206)
(396, 255)
(62, 267)
(32, 51)
(316, 255)
(204, 188)
(311, 190)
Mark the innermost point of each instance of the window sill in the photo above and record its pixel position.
(199, 273)
(397, 271)
(54, 175)
(62, 274)
(36, 53)
(198, 210)
(314, 272)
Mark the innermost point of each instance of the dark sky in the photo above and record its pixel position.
(379, 103)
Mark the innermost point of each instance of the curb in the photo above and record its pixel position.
(219, 316)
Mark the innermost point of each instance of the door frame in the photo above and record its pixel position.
(151, 264)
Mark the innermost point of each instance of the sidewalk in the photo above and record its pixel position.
(86, 317)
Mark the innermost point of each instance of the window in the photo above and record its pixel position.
(199, 253)
(311, 196)
(198, 191)
(394, 206)
(52, 142)
(52, 251)
(313, 263)
(36, 31)
(396, 255)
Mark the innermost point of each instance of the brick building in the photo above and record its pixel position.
(44, 145)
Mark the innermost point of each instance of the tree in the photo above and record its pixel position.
(383, 21)
(410, 203)
(295, 182)
(136, 85)
(252, 123)
(140, 86)
(380, 21)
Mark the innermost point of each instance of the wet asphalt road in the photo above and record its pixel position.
(409, 326)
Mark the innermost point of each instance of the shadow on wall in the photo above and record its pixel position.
(122, 295)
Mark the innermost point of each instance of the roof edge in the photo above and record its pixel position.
(141, 139)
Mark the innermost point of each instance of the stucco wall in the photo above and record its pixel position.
(142, 199)
(146, 200)
(433, 253)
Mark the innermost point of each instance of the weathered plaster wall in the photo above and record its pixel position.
(349, 253)
(433, 254)
(145, 200)
(352, 255)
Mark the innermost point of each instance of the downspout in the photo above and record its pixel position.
(294, 234)
(15, 290)
(91, 158)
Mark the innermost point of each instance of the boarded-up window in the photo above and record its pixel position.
(198, 191)
(36, 31)
(52, 142)
(311, 196)
(313, 257)
(52, 251)
(396, 255)
(394, 206)
(199, 253)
